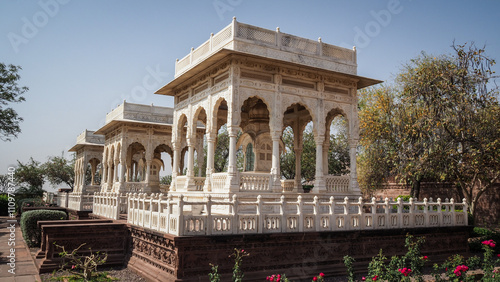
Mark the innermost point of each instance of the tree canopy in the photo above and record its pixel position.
(440, 121)
(59, 170)
(10, 92)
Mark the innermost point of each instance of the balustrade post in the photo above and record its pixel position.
(332, 213)
(440, 212)
(260, 221)
(180, 230)
(283, 222)
(347, 222)
(464, 210)
(400, 213)
(316, 213)
(169, 211)
(158, 206)
(426, 213)
(150, 210)
(235, 221)
(453, 213)
(412, 213)
(301, 215)
(361, 213)
(209, 215)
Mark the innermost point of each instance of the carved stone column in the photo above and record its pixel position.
(298, 173)
(353, 185)
(210, 161)
(190, 165)
(275, 168)
(319, 183)
(232, 170)
(199, 155)
(175, 167)
(93, 169)
(326, 146)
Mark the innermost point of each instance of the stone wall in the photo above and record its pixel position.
(163, 257)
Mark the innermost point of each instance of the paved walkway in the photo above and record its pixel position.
(25, 270)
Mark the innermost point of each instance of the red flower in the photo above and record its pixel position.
(315, 278)
(498, 255)
(375, 278)
(459, 269)
(363, 278)
(405, 271)
(425, 258)
(322, 274)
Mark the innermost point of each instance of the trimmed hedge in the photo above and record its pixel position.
(4, 205)
(31, 233)
(27, 202)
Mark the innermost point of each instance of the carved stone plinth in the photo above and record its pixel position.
(163, 257)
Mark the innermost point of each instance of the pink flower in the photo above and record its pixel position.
(363, 278)
(242, 251)
(425, 258)
(405, 271)
(459, 269)
(490, 243)
(322, 274)
(73, 267)
(315, 278)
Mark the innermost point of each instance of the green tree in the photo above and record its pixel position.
(167, 180)
(463, 113)
(10, 92)
(440, 121)
(338, 156)
(59, 170)
(221, 157)
(4, 182)
(30, 177)
(287, 157)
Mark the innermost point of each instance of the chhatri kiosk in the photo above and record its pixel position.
(260, 81)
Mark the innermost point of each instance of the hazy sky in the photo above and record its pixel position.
(81, 59)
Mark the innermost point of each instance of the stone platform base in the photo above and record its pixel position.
(77, 215)
(163, 257)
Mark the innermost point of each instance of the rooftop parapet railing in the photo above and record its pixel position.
(264, 37)
(88, 136)
(168, 214)
(140, 112)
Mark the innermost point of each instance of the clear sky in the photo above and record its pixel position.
(81, 59)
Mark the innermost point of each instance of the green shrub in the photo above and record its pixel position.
(4, 205)
(28, 202)
(31, 233)
(480, 234)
